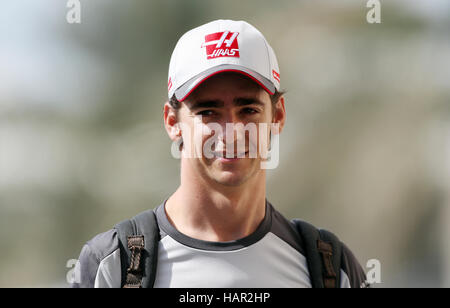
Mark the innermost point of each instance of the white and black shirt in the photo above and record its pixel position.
(271, 257)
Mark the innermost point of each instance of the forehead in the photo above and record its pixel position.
(227, 85)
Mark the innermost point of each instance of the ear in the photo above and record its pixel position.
(279, 113)
(171, 122)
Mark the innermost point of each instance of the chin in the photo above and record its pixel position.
(232, 174)
(228, 178)
(232, 178)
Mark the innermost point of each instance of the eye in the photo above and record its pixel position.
(248, 110)
(206, 113)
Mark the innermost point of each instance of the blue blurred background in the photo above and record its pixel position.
(365, 151)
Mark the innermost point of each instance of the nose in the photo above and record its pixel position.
(233, 130)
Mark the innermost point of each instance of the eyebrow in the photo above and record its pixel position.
(244, 101)
(206, 104)
(239, 101)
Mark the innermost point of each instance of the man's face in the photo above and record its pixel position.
(226, 156)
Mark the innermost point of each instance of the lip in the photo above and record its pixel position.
(233, 159)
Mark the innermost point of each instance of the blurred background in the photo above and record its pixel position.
(365, 151)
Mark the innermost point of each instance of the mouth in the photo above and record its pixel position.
(223, 157)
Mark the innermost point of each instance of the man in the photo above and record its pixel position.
(218, 229)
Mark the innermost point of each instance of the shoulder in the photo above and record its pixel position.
(352, 273)
(103, 244)
(355, 276)
(101, 249)
(286, 230)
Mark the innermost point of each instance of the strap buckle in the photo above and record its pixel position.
(136, 245)
(326, 250)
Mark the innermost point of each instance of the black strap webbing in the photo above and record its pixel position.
(331, 250)
(135, 272)
(323, 254)
(138, 242)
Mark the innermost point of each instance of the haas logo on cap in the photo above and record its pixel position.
(221, 44)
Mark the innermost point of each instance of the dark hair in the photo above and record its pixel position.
(176, 104)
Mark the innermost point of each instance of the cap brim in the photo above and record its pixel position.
(189, 86)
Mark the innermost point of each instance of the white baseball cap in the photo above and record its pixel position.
(221, 46)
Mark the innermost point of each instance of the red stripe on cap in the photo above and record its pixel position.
(226, 70)
(276, 75)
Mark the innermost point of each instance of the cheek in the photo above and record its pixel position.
(264, 127)
(263, 136)
(201, 137)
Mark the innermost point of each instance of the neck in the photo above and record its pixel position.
(215, 212)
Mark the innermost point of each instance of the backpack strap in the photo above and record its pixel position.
(323, 254)
(330, 247)
(138, 242)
